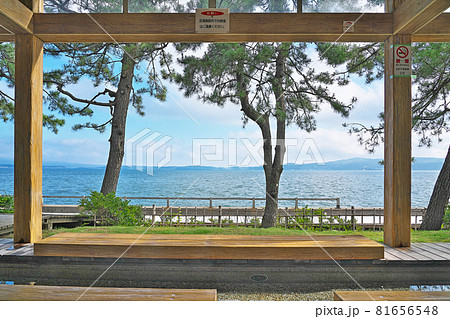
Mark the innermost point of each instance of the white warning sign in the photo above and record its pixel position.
(402, 60)
(212, 20)
(348, 26)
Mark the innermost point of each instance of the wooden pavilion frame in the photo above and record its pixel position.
(405, 21)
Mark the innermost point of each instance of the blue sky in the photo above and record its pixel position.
(189, 121)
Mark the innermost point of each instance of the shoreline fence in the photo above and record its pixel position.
(325, 218)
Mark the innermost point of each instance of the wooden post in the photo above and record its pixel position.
(299, 6)
(28, 140)
(397, 146)
(125, 6)
(153, 214)
(397, 151)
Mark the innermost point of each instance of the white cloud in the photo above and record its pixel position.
(82, 151)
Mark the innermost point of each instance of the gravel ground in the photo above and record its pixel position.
(316, 296)
(323, 295)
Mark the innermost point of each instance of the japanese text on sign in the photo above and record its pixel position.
(402, 60)
(212, 20)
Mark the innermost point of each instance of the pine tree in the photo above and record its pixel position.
(268, 81)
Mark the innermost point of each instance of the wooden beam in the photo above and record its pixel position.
(70, 293)
(412, 15)
(180, 27)
(437, 30)
(397, 150)
(28, 140)
(16, 17)
(6, 38)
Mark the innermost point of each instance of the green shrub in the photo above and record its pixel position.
(6, 204)
(314, 219)
(112, 210)
(446, 220)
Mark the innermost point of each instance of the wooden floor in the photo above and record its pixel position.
(53, 293)
(7, 247)
(419, 252)
(392, 295)
(209, 246)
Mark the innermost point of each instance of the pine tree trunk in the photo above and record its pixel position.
(439, 199)
(274, 169)
(119, 118)
(271, 209)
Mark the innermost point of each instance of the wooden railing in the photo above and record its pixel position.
(295, 200)
(350, 218)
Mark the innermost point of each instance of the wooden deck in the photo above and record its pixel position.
(392, 295)
(53, 293)
(209, 246)
(419, 252)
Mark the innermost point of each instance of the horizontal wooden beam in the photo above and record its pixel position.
(180, 27)
(413, 15)
(15, 17)
(6, 38)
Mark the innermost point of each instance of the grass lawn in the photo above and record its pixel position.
(416, 236)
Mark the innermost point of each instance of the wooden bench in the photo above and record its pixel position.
(53, 293)
(209, 246)
(392, 295)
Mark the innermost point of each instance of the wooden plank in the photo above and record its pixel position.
(209, 246)
(397, 151)
(28, 140)
(436, 31)
(54, 293)
(401, 255)
(389, 256)
(413, 253)
(413, 15)
(392, 295)
(7, 38)
(16, 17)
(446, 246)
(180, 27)
(181, 237)
(430, 247)
(426, 253)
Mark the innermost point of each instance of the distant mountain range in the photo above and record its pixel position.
(420, 163)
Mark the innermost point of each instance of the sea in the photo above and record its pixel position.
(359, 188)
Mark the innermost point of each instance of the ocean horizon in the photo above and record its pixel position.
(359, 188)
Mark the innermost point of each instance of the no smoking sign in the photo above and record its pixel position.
(402, 60)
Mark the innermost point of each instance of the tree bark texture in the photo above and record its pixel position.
(273, 169)
(118, 124)
(439, 199)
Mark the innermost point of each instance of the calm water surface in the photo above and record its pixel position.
(355, 188)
